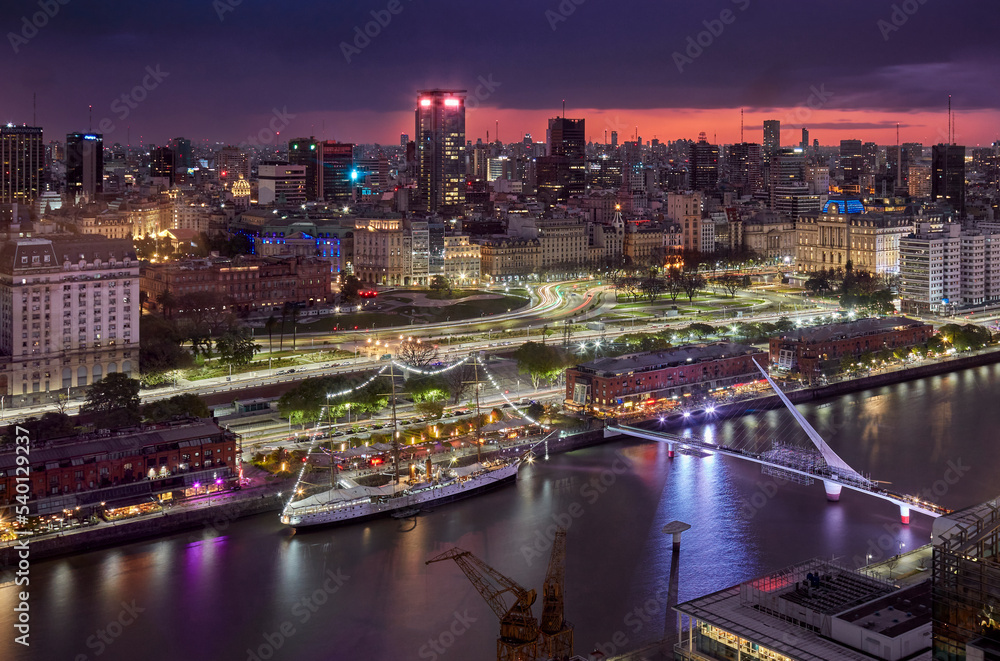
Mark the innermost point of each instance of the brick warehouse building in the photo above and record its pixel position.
(605, 383)
(144, 462)
(809, 350)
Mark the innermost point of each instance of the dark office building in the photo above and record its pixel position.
(567, 137)
(22, 163)
(704, 164)
(183, 157)
(306, 151)
(84, 164)
(744, 163)
(162, 163)
(852, 161)
(337, 168)
(553, 176)
(966, 584)
(948, 175)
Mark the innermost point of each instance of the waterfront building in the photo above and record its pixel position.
(69, 313)
(941, 268)
(628, 381)
(809, 351)
(966, 584)
(813, 611)
(162, 461)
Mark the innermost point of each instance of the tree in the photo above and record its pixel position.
(819, 282)
(114, 400)
(351, 288)
(295, 325)
(236, 348)
(731, 282)
(700, 331)
(160, 349)
(440, 284)
(417, 353)
(187, 404)
(540, 361)
(651, 287)
(692, 283)
(674, 284)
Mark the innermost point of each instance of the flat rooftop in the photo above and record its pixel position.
(819, 586)
(654, 360)
(849, 329)
(895, 613)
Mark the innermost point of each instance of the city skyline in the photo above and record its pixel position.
(355, 87)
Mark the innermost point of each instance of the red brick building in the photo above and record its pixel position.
(607, 383)
(93, 468)
(246, 283)
(809, 350)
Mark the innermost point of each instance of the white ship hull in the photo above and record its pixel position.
(346, 511)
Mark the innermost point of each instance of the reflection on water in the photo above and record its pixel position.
(223, 595)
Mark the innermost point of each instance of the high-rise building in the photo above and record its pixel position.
(70, 311)
(805, 139)
(306, 152)
(568, 137)
(336, 174)
(772, 137)
(84, 164)
(440, 144)
(162, 162)
(897, 168)
(744, 167)
(22, 163)
(614, 139)
(281, 184)
(403, 139)
(685, 210)
(183, 157)
(851, 161)
(704, 164)
(231, 163)
(948, 176)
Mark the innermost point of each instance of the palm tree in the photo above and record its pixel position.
(295, 328)
(167, 301)
(269, 325)
(284, 315)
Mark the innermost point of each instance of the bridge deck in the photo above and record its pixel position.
(851, 480)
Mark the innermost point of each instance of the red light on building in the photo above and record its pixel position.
(451, 102)
(425, 102)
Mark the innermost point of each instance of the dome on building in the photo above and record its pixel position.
(241, 188)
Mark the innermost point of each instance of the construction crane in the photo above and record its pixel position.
(557, 633)
(519, 632)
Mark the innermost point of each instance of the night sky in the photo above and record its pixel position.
(863, 65)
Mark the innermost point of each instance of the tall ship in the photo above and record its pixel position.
(425, 486)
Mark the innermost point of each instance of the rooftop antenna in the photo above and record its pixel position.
(949, 119)
(34, 109)
(90, 121)
(741, 124)
(564, 107)
(899, 160)
(498, 131)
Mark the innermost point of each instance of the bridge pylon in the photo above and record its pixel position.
(832, 490)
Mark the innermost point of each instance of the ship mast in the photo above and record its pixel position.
(479, 420)
(395, 431)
